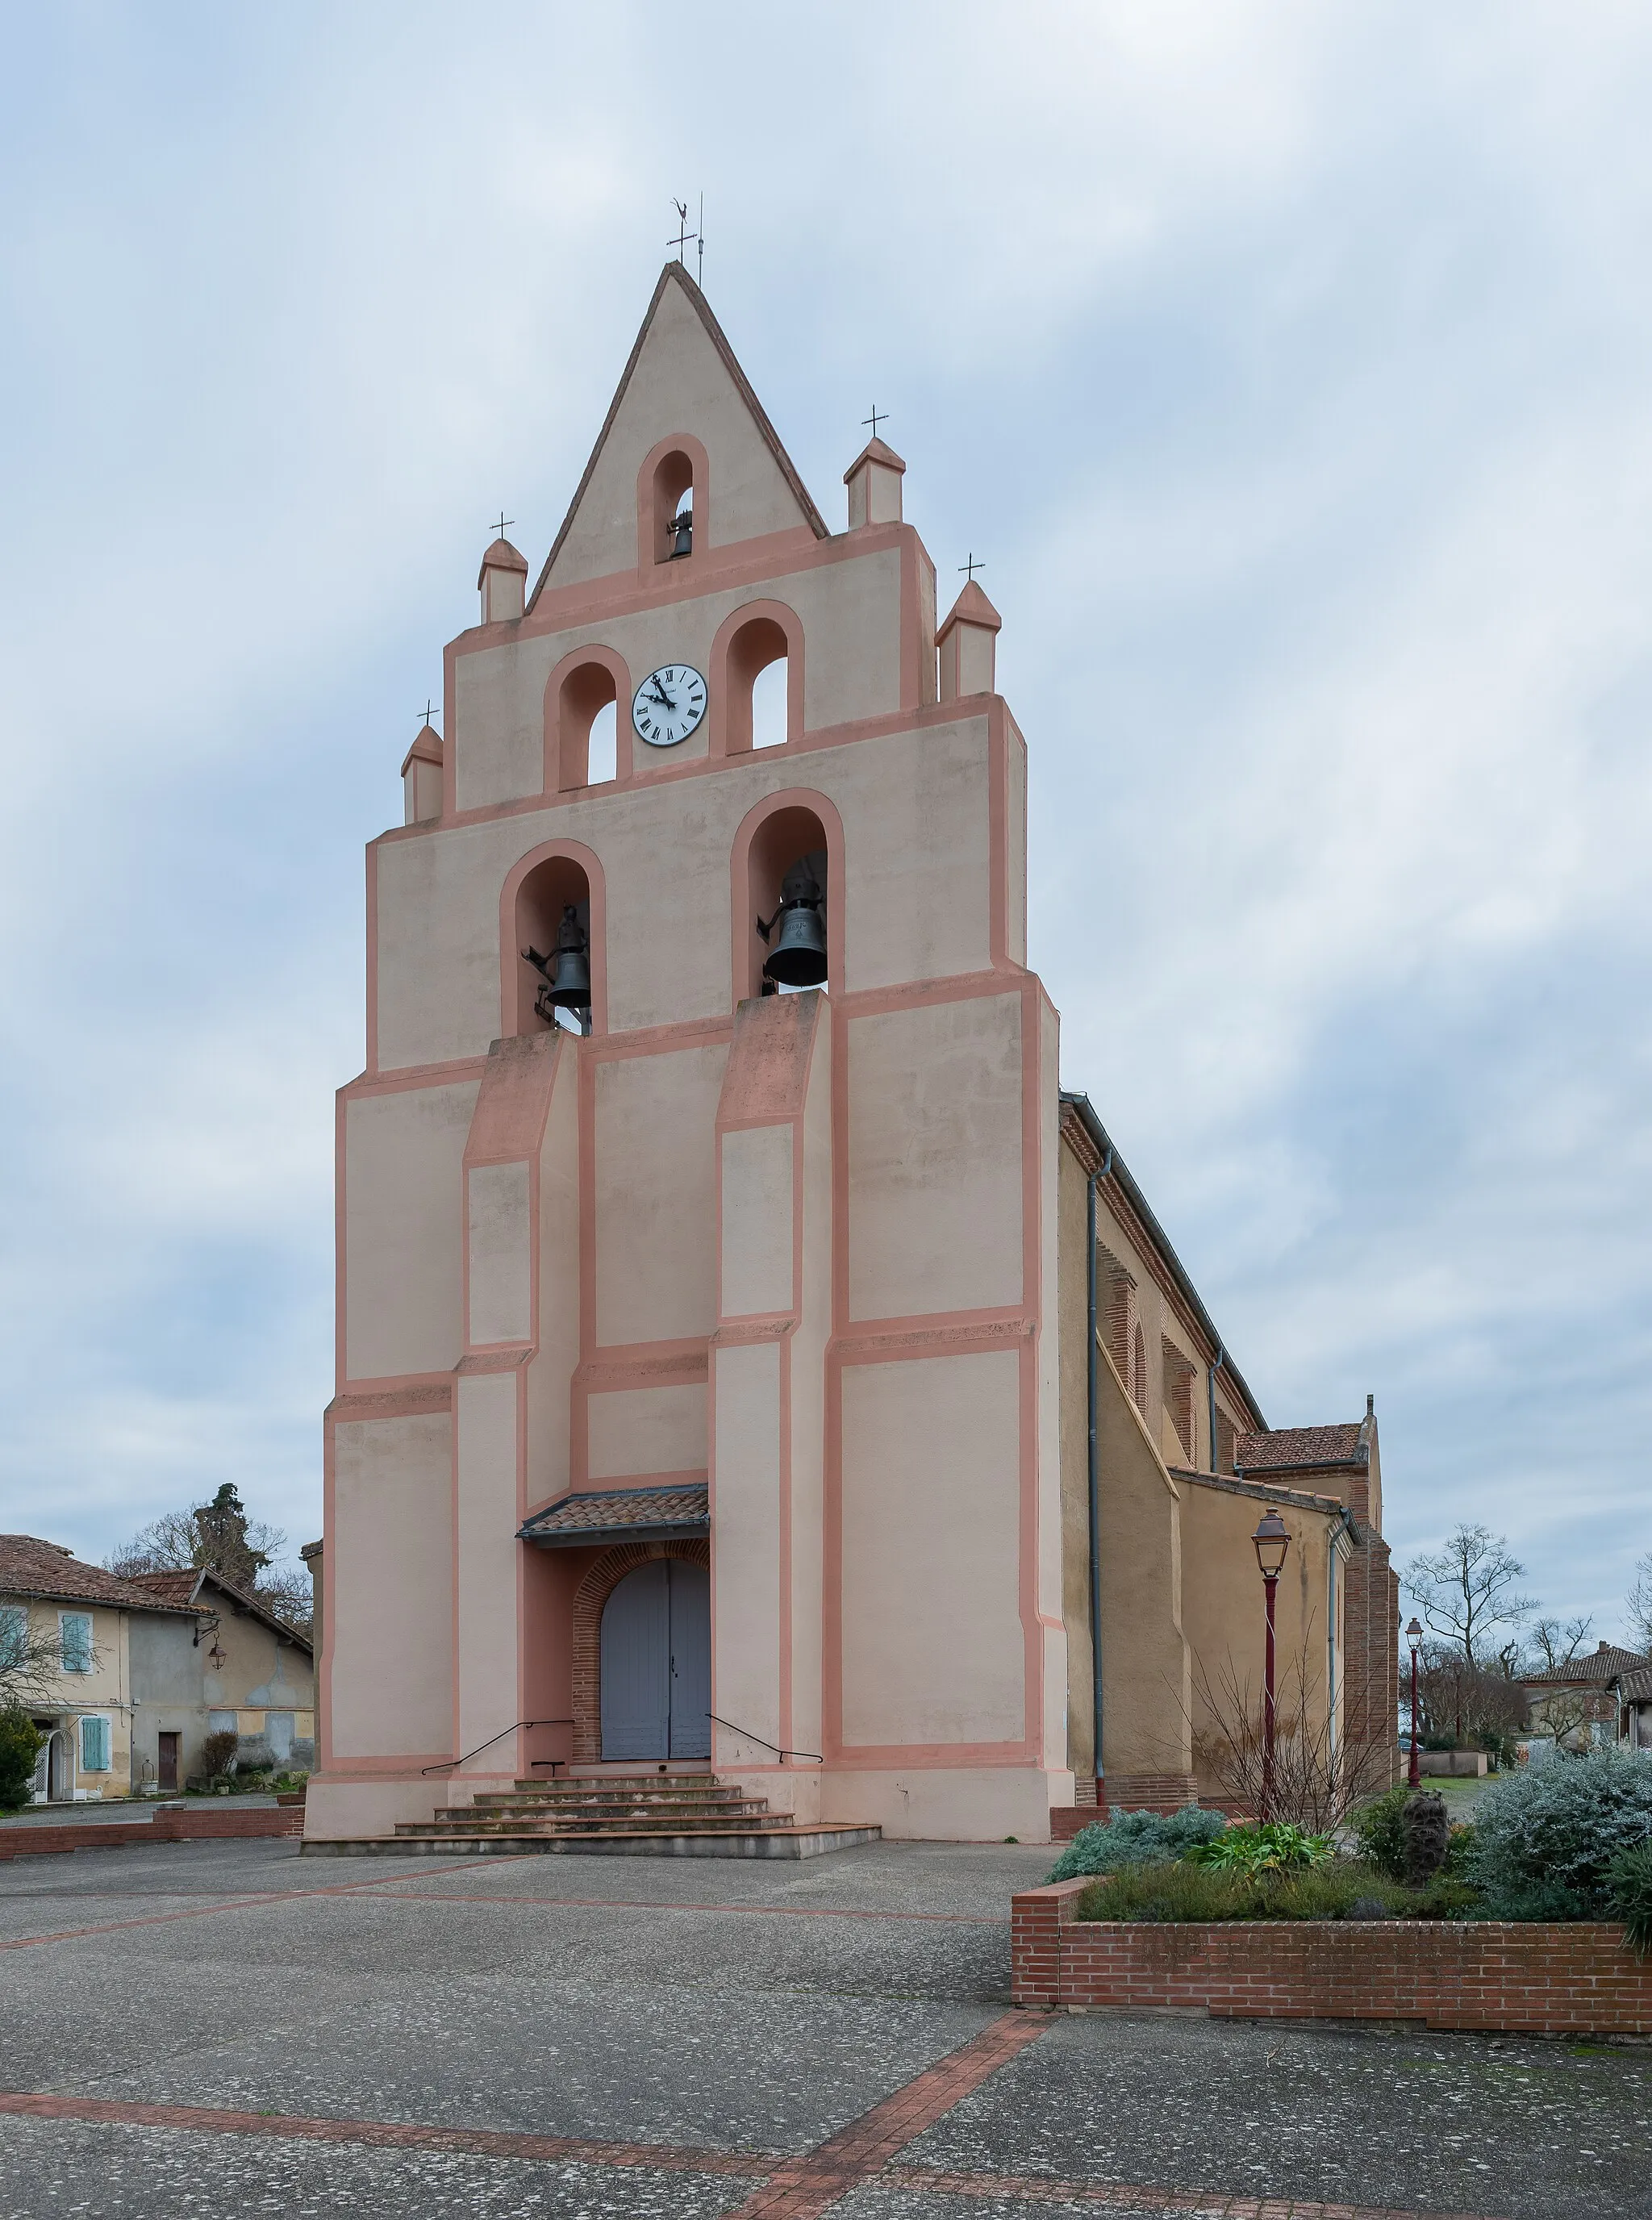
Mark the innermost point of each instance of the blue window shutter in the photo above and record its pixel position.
(14, 1634)
(94, 1745)
(76, 1632)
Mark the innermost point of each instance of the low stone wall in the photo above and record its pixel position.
(1540, 1979)
(204, 1825)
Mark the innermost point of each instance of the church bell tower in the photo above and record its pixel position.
(696, 1393)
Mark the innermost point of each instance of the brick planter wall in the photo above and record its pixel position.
(1489, 1974)
(204, 1825)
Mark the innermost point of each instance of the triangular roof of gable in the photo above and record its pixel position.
(674, 273)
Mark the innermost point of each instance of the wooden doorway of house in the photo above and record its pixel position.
(656, 1663)
(166, 1760)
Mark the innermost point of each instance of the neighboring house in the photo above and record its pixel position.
(244, 1670)
(1605, 1696)
(104, 1630)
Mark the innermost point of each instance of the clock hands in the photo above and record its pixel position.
(661, 697)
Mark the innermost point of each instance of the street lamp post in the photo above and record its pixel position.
(1272, 1543)
(1414, 1773)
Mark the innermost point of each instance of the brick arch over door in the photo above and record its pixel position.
(589, 1597)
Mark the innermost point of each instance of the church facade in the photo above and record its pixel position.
(749, 1360)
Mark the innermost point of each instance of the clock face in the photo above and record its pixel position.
(668, 704)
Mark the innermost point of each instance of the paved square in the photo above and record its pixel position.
(222, 2027)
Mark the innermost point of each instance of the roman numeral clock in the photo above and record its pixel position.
(668, 704)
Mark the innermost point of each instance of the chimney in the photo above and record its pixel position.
(968, 644)
(502, 583)
(873, 483)
(421, 777)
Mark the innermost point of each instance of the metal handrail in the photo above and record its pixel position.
(762, 1741)
(500, 1736)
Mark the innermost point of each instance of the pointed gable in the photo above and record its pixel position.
(681, 378)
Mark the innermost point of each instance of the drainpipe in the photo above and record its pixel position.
(1210, 1384)
(1094, 1384)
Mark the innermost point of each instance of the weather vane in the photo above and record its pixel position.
(683, 234)
(971, 567)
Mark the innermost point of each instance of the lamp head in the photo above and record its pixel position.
(1273, 1542)
(1413, 1633)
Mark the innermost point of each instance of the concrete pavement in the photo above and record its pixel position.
(215, 2027)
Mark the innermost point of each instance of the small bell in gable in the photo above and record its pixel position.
(798, 957)
(679, 534)
(568, 975)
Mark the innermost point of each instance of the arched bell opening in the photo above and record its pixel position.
(673, 507)
(587, 706)
(756, 687)
(787, 874)
(553, 946)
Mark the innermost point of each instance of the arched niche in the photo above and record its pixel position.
(583, 683)
(673, 479)
(785, 830)
(543, 886)
(747, 644)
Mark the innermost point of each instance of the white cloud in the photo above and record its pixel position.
(1287, 366)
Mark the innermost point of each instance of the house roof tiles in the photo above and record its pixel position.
(1606, 1663)
(1294, 1449)
(622, 1514)
(29, 1566)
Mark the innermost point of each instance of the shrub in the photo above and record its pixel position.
(1135, 1838)
(1545, 1837)
(1272, 1846)
(1629, 1884)
(1380, 1833)
(20, 1748)
(218, 1753)
(1346, 1889)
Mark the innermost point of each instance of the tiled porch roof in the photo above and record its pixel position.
(622, 1514)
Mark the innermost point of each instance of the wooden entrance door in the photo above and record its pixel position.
(168, 1761)
(656, 1663)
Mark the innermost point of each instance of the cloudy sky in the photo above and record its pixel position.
(1288, 363)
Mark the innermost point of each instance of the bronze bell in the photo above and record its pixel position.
(798, 957)
(568, 981)
(679, 534)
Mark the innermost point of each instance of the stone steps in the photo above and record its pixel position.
(643, 1815)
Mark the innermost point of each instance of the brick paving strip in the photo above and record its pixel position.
(791, 2188)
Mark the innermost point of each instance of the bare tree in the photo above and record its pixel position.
(1556, 1643)
(1466, 1699)
(31, 1657)
(1638, 1606)
(219, 1537)
(1469, 1589)
(1317, 1776)
(291, 1597)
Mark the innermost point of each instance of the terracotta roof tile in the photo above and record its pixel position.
(1636, 1687)
(32, 1568)
(1291, 1448)
(636, 1511)
(170, 1588)
(1601, 1665)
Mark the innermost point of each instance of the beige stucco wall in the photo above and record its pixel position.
(849, 611)
(935, 1113)
(932, 1552)
(679, 383)
(656, 1190)
(403, 1231)
(916, 814)
(390, 1553)
(104, 1693)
